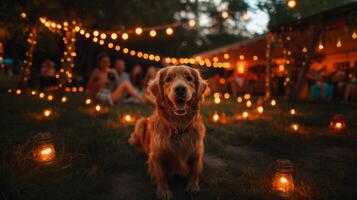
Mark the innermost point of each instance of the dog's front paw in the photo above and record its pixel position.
(192, 187)
(164, 194)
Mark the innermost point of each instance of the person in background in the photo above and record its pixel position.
(213, 83)
(236, 82)
(119, 67)
(101, 80)
(351, 87)
(136, 77)
(47, 74)
(150, 75)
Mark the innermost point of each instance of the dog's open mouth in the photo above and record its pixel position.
(180, 107)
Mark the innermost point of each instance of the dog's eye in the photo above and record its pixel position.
(189, 78)
(168, 79)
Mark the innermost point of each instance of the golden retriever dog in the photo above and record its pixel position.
(173, 136)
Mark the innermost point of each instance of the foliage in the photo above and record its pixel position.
(280, 13)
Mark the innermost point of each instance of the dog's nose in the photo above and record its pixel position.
(180, 90)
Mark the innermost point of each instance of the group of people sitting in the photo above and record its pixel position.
(110, 84)
(341, 84)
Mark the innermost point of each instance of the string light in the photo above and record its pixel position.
(124, 36)
(338, 44)
(321, 46)
(152, 33)
(192, 23)
(169, 31)
(138, 31)
(354, 35)
(292, 3)
(224, 14)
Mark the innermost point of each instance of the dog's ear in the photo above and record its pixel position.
(201, 85)
(155, 86)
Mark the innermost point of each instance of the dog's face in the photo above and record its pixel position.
(178, 86)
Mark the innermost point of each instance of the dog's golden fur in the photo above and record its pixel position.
(173, 136)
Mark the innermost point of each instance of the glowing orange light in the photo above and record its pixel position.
(124, 36)
(239, 99)
(226, 95)
(64, 99)
(47, 112)
(260, 109)
(152, 33)
(98, 108)
(138, 31)
(292, 3)
(292, 111)
(273, 102)
(88, 101)
(217, 100)
(169, 31)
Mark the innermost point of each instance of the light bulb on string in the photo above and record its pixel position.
(152, 33)
(338, 44)
(169, 31)
(124, 36)
(138, 31)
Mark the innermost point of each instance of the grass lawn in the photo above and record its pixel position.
(94, 160)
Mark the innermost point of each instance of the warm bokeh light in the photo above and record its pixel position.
(260, 109)
(47, 112)
(226, 95)
(239, 99)
(292, 111)
(224, 14)
(50, 97)
(124, 36)
(273, 102)
(217, 100)
(248, 104)
(192, 23)
(169, 31)
(41, 95)
(98, 108)
(88, 101)
(245, 115)
(152, 33)
(292, 3)
(138, 31)
(64, 99)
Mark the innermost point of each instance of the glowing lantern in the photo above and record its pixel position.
(64, 99)
(217, 100)
(295, 127)
(321, 46)
(292, 3)
(88, 101)
(245, 115)
(44, 150)
(18, 91)
(47, 112)
(226, 95)
(273, 102)
(97, 108)
(292, 111)
(338, 123)
(128, 118)
(283, 181)
(217, 117)
(260, 110)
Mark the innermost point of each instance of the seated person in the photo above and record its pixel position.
(119, 66)
(47, 74)
(136, 76)
(99, 86)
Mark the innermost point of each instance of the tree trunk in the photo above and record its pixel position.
(306, 67)
(268, 55)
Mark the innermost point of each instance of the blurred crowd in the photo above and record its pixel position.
(340, 85)
(109, 83)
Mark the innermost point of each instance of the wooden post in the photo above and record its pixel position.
(268, 55)
(306, 66)
(26, 69)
